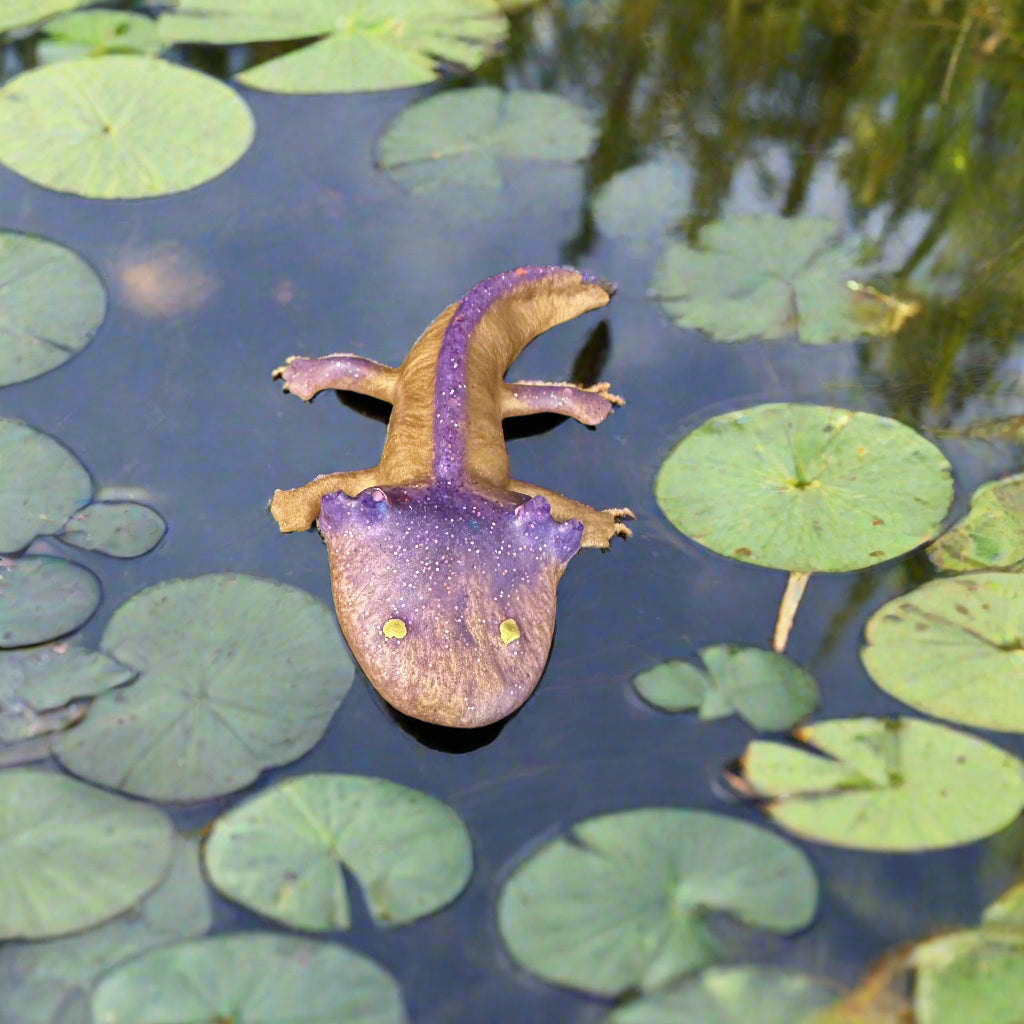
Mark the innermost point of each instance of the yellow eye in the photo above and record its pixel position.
(509, 630)
(394, 629)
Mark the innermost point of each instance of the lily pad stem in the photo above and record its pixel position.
(795, 586)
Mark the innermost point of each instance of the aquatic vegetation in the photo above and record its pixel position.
(124, 529)
(17, 13)
(42, 598)
(97, 31)
(643, 202)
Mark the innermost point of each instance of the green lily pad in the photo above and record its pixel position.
(806, 488)
(280, 852)
(73, 855)
(731, 995)
(236, 674)
(620, 902)
(456, 139)
(952, 648)
(124, 529)
(252, 976)
(42, 598)
(1008, 909)
(121, 127)
(16, 13)
(96, 32)
(37, 686)
(51, 305)
(970, 976)
(50, 982)
(360, 45)
(991, 535)
(41, 484)
(766, 689)
(895, 784)
(642, 202)
(763, 277)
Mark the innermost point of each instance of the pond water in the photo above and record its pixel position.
(891, 119)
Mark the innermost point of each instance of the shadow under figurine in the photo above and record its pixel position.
(444, 569)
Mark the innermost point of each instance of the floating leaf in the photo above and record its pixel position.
(765, 688)
(280, 852)
(73, 855)
(763, 276)
(95, 32)
(1008, 909)
(731, 995)
(952, 648)
(970, 976)
(41, 484)
(991, 535)
(16, 13)
(50, 982)
(121, 127)
(360, 45)
(456, 139)
(37, 682)
(51, 305)
(235, 674)
(620, 902)
(895, 784)
(120, 528)
(42, 598)
(806, 488)
(252, 976)
(642, 202)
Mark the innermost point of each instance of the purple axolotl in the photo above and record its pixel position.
(444, 569)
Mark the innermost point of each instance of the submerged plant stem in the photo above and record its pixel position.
(795, 586)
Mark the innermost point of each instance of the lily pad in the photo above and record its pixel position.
(121, 127)
(41, 484)
(895, 784)
(50, 982)
(359, 45)
(16, 13)
(280, 853)
(38, 684)
(1008, 909)
(95, 32)
(252, 976)
(765, 688)
(51, 304)
(236, 674)
(73, 855)
(807, 488)
(620, 903)
(456, 139)
(763, 277)
(952, 648)
(124, 529)
(642, 202)
(42, 598)
(731, 995)
(991, 535)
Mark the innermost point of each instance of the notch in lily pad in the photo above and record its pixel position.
(280, 853)
(805, 488)
(892, 784)
(765, 688)
(621, 903)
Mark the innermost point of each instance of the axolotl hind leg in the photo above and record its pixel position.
(599, 524)
(299, 507)
(588, 405)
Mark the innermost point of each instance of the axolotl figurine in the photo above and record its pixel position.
(444, 569)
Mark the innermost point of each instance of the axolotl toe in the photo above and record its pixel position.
(444, 570)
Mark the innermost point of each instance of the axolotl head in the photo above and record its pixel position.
(446, 596)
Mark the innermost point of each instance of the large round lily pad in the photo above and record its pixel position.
(41, 484)
(991, 535)
(16, 13)
(73, 855)
(254, 977)
(42, 598)
(895, 784)
(124, 529)
(954, 648)
(359, 44)
(280, 852)
(456, 139)
(235, 674)
(620, 903)
(51, 304)
(121, 127)
(806, 488)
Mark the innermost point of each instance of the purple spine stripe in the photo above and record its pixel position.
(451, 398)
